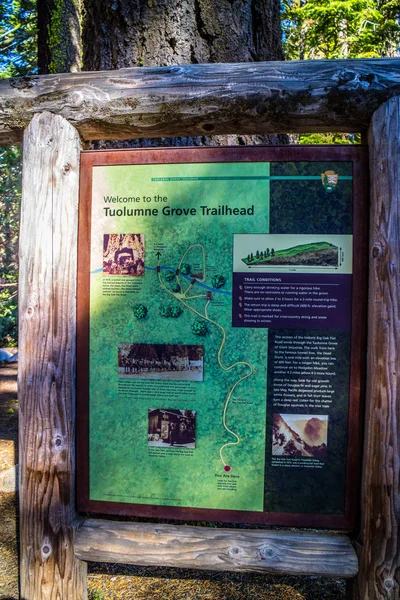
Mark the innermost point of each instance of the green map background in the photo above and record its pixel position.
(121, 469)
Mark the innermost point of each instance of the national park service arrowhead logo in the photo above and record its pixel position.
(329, 180)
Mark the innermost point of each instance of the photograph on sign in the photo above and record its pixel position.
(172, 362)
(220, 337)
(123, 254)
(300, 435)
(170, 427)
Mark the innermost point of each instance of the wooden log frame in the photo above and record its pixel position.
(275, 97)
(49, 566)
(46, 369)
(216, 549)
(379, 543)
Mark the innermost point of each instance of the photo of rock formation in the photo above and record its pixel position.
(300, 435)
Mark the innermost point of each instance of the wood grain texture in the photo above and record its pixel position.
(379, 548)
(46, 377)
(246, 98)
(216, 549)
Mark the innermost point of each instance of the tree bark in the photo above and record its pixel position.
(137, 33)
(127, 33)
(59, 36)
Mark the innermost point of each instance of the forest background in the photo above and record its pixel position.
(311, 30)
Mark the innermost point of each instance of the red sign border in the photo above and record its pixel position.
(358, 155)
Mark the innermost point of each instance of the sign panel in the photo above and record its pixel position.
(220, 340)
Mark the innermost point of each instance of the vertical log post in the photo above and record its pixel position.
(379, 548)
(46, 378)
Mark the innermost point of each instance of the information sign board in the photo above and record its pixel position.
(221, 306)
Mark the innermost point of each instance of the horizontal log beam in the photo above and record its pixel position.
(147, 544)
(246, 98)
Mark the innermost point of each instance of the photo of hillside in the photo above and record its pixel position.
(321, 254)
(300, 435)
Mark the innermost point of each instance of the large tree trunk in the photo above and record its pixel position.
(127, 33)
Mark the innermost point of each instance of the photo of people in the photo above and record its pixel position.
(172, 362)
(300, 435)
(123, 254)
(172, 427)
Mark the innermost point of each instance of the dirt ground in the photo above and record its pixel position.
(127, 582)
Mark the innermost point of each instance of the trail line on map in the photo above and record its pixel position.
(207, 318)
